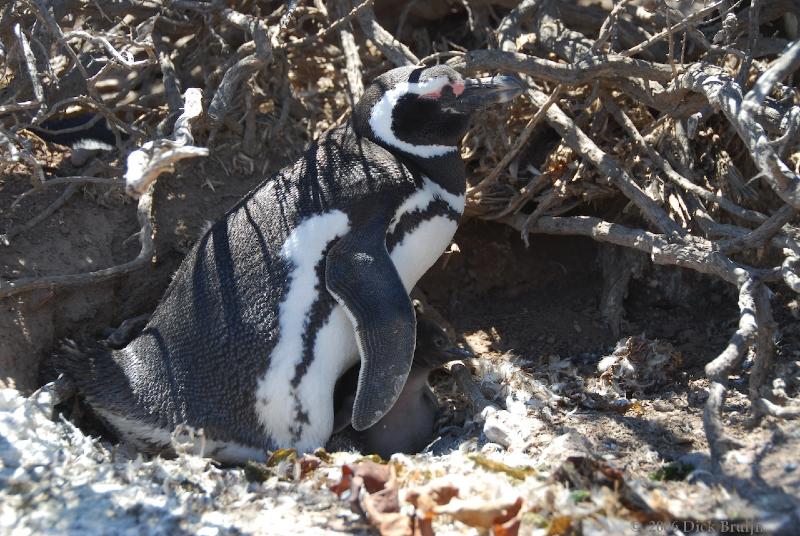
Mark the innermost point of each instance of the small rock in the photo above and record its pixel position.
(621, 404)
(484, 414)
(510, 430)
(498, 431)
(565, 446)
(698, 397)
(662, 405)
(491, 448)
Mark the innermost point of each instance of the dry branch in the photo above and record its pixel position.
(759, 236)
(340, 24)
(725, 203)
(518, 144)
(660, 86)
(392, 48)
(463, 377)
(763, 348)
(15, 154)
(18, 107)
(509, 27)
(33, 72)
(76, 180)
(583, 144)
(781, 412)
(724, 94)
(144, 165)
(122, 59)
(5, 239)
(689, 252)
(244, 68)
(583, 71)
(790, 270)
(352, 60)
(682, 25)
(720, 368)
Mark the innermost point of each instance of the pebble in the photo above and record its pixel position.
(662, 405)
(698, 397)
(565, 446)
(491, 448)
(498, 431)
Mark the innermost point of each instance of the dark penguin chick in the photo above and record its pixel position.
(306, 276)
(409, 426)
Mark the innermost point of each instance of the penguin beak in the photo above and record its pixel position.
(480, 92)
(456, 352)
(452, 353)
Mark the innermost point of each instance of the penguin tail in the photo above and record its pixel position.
(92, 368)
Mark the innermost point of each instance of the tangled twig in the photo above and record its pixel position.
(159, 156)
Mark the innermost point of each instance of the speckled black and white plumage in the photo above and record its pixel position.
(308, 272)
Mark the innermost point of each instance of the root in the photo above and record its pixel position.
(720, 368)
(619, 266)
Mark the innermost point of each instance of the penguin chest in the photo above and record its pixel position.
(297, 410)
(421, 229)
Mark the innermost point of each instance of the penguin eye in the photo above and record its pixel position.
(451, 90)
(439, 342)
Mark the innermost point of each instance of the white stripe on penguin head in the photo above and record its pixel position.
(380, 120)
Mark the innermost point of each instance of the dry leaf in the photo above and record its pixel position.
(387, 523)
(481, 513)
(425, 499)
(559, 526)
(509, 528)
(581, 472)
(429, 496)
(344, 483)
(521, 472)
(584, 473)
(375, 475)
(308, 463)
(381, 504)
(280, 455)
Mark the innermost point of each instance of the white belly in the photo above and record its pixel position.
(335, 348)
(420, 248)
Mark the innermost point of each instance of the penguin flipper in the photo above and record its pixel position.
(362, 278)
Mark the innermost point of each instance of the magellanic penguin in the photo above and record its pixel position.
(409, 426)
(309, 271)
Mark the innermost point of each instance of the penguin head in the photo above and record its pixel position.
(425, 111)
(434, 347)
